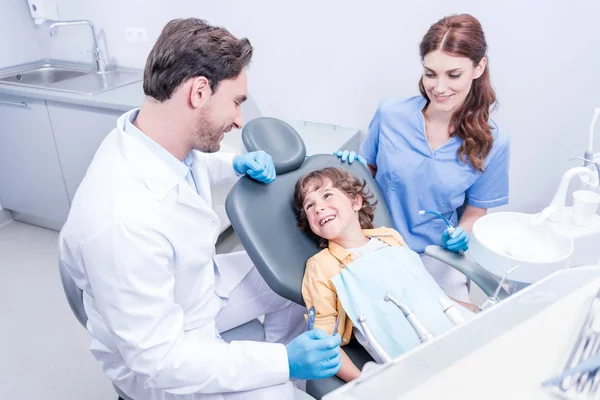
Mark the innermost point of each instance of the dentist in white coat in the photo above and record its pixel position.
(141, 233)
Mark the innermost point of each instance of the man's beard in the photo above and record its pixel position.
(208, 137)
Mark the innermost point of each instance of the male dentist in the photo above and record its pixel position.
(141, 233)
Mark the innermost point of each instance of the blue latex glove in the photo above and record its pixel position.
(455, 241)
(350, 156)
(314, 355)
(257, 164)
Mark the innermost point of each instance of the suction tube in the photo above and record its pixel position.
(437, 214)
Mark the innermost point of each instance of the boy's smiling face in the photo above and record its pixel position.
(331, 214)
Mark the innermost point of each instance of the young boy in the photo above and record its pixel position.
(334, 206)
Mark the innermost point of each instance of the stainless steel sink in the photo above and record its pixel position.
(67, 77)
(43, 75)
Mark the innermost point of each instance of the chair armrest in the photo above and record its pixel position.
(471, 270)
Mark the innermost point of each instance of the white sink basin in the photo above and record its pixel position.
(501, 241)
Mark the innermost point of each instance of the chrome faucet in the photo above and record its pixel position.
(100, 65)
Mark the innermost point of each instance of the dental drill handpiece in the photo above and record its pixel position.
(423, 334)
(362, 320)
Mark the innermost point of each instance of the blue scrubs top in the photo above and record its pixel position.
(413, 177)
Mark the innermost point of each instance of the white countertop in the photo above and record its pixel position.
(123, 98)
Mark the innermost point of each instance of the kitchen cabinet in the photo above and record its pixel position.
(78, 131)
(31, 180)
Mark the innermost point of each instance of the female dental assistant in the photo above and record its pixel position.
(440, 151)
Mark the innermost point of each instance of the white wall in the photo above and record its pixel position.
(332, 61)
(19, 42)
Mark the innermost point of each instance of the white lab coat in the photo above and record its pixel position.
(140, 242)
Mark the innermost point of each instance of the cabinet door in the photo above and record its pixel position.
(78, 131)
(31, 180)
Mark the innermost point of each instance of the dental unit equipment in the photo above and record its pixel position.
(589, 157)
(451, 311)
(362, 320)
(589, 153)
(447, 305)
(451, 227)
(582, 370)
(579, 222)
(311, 318)
(554, 212)
(337, 324)
(423, 334)
(451, 230)
(493, 300)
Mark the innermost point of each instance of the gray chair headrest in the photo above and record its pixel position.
(278, 139)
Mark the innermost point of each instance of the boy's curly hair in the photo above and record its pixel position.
(347, 183)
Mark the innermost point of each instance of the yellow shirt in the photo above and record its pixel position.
(319, 291)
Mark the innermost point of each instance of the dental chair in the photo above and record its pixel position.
(263, 217)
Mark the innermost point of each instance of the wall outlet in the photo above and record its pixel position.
(136, 35)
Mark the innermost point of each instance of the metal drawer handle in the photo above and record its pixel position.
(14, 103)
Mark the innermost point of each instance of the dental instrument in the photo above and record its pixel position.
(447, 305)
(337, 323)
(311, 318)
(583, 364)
(451, 227)
(586, 364)
(451, 311)
(423, 334)
(362, 320)
(588, 162)
(554, 212)
(493, 300)
(589, 365)
(589, 153)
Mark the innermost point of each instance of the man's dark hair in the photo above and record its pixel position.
(188, 48)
